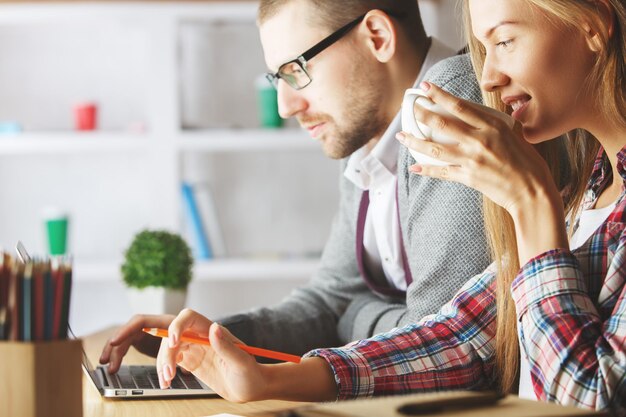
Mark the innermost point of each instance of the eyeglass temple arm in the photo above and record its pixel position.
(316, 49)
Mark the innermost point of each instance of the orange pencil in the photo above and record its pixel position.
(266, 353)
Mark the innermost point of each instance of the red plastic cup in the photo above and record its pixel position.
(85, 116)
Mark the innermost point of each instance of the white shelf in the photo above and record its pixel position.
(243, 140)
(42, 12)
(71, 142)
(214, 140)
(219, 270)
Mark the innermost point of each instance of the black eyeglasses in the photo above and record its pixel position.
(294, 72)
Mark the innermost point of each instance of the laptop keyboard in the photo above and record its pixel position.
(145, 377)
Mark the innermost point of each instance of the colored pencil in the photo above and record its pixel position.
(65, 304)
(266, 353)
(49, 292)
(38, 302)
(27, 303)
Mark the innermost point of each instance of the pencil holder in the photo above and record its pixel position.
(41, 379)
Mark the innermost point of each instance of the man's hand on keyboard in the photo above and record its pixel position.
(131, 334)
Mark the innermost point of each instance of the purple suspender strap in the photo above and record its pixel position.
(385, 290)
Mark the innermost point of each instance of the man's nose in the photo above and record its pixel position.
(290, 100)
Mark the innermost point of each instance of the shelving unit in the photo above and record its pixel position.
(165, 37)
(218, 140)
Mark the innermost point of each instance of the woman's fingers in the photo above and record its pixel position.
(169, 353)
(223, 342)
(443, 152)
(191, 356)
(448, 172)
(470, 113)
(161, 363)
(187, 320)
(445, 125)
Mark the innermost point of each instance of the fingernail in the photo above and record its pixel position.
(416, 169)
(171, 340)
(401, 136)
(218, 331)
(425, 86)
(167, 373)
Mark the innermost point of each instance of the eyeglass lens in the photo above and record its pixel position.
(294, 75)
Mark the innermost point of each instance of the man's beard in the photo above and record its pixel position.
(364, 120)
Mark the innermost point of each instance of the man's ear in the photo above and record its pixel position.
(380, 33)
(606, 17)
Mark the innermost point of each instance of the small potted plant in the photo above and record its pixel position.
(157, 269)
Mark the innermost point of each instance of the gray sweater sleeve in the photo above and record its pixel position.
(308, 317)
(442, 228)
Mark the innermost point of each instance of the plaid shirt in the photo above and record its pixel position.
(571, 309)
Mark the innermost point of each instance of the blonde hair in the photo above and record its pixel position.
(608, 78)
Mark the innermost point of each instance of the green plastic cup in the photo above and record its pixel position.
(267, 104)
(56, 230)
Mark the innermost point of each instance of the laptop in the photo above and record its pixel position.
(141, 381)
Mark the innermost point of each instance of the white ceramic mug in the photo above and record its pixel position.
(421, 131)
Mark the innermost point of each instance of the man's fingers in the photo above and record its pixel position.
(129, 330)
(115, 358)
(106, 353)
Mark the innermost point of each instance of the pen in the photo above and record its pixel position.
(266, 353)
(442, 404)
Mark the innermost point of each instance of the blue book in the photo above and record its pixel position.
(201, 247)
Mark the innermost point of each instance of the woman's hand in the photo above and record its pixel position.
(228, 370)
(495, 160)
(234, 374)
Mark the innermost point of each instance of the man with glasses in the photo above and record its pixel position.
(392, 256)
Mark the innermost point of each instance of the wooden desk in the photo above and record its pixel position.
(96, 406)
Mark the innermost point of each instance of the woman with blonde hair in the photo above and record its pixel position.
(549, 316)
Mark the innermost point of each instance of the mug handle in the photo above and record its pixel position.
(409, 124)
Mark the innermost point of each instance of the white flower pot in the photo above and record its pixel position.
(156, 300)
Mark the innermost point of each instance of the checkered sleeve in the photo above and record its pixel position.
(452, 349)
(576, 358)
